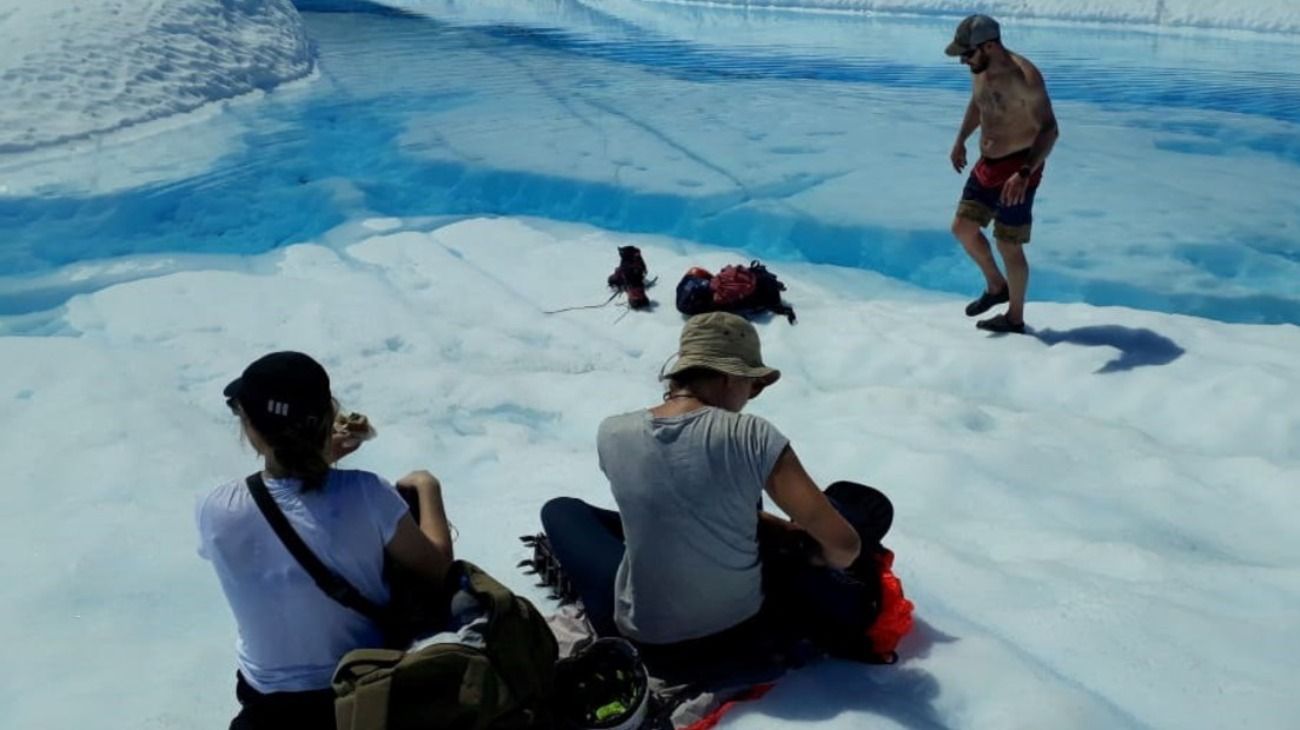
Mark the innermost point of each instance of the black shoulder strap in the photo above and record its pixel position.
(334, 585)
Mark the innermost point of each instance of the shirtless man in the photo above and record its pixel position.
(1009, 105)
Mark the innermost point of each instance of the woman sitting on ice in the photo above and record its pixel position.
(291, 633)
(678, 567)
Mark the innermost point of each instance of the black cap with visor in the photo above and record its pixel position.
(280, 391)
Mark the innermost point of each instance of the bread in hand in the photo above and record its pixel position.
(354, 426)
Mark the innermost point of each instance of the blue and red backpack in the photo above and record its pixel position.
(744, 290)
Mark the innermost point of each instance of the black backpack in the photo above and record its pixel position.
(694, 293)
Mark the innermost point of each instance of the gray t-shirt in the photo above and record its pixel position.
(688, 489)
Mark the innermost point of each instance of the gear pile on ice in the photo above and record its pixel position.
(744, 290)
(544, 565)
(670, 706)
(629, 278)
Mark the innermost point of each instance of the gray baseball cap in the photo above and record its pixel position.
(972, 31)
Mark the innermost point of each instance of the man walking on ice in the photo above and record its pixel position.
(1009, 106)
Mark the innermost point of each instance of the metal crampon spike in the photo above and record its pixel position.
(547, 569)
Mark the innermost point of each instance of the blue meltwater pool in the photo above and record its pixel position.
(794, 136)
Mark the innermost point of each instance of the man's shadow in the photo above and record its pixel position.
(1137, 347)
(904, 694)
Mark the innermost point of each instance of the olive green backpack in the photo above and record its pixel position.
(456, 686)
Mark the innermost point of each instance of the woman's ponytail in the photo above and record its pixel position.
(301, 450)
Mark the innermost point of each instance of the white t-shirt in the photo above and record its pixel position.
(291, 635)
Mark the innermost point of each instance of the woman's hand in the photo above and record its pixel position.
(788, 539)
(342, 444)
(350, 431)
(422, 482)
(431, 515)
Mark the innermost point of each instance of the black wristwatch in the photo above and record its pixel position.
(1025, 172)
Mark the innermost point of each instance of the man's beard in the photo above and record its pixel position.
(977, 70)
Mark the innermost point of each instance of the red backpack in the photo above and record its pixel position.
(739, 289)
(894, 621)
(733, 286)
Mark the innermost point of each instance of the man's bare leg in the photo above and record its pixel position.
(977, 247)
(1013, 257)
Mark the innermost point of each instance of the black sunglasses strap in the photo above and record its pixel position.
(334, 585)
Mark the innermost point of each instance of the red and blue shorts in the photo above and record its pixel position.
(981, 198)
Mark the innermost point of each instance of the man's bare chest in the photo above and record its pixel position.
(1002, 100)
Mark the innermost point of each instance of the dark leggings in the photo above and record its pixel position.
(588, 543)
(800, 598)
(312, 710)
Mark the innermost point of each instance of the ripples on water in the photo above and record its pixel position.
(283, 185)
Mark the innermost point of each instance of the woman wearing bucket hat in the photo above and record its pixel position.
(678, 567)
(291, 633)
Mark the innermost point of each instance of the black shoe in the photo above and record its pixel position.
(988, 300)
(1001, 323)
(636, 297)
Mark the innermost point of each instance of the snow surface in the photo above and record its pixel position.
(1095, 522)
(1171, 188)
(73, 68)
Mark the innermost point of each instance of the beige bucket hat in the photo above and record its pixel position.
(724, 342)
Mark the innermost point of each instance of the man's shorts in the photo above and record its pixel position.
(981, 198)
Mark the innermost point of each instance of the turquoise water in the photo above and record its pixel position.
(794, 136)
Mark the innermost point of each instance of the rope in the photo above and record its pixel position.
(586, 306)
(605, 303)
